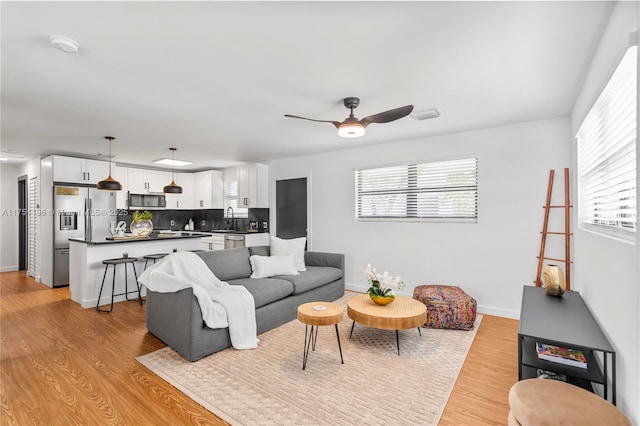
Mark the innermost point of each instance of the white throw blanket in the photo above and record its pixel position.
(222, 304)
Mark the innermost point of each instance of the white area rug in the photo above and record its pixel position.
(267, 386)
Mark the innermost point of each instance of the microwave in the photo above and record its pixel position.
(147, 201)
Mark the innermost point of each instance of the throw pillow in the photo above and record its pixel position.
(268, 266)
(295, 246)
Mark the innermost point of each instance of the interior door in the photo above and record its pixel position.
(291, 208)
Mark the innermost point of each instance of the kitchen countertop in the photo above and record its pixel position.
(154, 236)
(231, 231)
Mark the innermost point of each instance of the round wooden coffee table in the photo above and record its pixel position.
(402, 314)
(315, 314)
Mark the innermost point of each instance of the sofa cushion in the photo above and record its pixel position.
(228, 264)
(260, 251)
(265, 290)
(268, 266)
(313, 277)
(296, 246)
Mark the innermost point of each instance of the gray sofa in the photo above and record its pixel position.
(176, 318)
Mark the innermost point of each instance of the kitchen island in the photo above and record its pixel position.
(86, 269)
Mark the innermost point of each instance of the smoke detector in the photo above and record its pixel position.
(64, 44)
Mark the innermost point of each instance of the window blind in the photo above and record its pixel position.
(231, 200)
(442, 190)
(607, 177)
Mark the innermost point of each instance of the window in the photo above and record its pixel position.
(607, 156)
(442, 190)
(231, 200)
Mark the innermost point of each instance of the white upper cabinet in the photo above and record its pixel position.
(120, 174)
(208, 189)
(142, 181)
(184, 201)
(79, 170)
(253, 185)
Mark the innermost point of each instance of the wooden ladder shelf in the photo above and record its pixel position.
(567, 230)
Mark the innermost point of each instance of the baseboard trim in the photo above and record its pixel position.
(488, 310)
(9, 268)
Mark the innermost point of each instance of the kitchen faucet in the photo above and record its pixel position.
(233, 222)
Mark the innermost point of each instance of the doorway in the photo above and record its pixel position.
(22, 223)
(291, 208)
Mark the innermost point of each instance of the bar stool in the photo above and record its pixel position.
(154, 257)
(114, 262)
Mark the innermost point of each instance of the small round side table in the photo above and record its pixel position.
(315, 314)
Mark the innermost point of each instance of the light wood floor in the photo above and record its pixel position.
(61, 364)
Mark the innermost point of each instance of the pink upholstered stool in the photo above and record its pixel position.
(447, 306)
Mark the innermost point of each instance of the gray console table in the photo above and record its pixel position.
(567, 322)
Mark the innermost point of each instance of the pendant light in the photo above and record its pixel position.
(109, 184)
(172, 188)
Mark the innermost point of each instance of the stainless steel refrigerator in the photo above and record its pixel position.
(80, 212)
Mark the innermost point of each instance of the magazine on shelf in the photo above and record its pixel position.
(566, 356)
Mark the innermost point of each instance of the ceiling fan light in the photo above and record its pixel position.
(351, 130)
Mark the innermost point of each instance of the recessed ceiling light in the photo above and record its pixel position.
(170, 162)
(426, 114)
(64, 44)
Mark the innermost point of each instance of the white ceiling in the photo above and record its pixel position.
(214, 79)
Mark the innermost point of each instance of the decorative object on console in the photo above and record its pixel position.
(380, 290)
(172, 188)
(566, 356)
(141, 224)
(553, 280)
(109, 184)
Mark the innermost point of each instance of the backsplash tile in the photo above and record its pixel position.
(203, 220)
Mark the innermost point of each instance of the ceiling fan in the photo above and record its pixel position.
(351, 127)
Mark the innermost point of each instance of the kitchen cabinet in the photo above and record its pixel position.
(79, 170)
(257, 239)
(120, 174)
(184, 201)
(253, 185)
(142, 181)
(213, 242)
(208, 189)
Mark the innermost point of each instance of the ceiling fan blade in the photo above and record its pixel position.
(335, 123)
(387, 116)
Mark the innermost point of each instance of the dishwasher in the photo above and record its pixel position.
(232, 241)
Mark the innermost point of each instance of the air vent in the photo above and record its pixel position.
(426, 114)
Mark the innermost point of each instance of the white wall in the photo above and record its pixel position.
(607, 271)
(492, 259)
(9, 174)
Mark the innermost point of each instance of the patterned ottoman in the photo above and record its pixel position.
(447, 306)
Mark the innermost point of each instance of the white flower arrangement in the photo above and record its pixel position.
(382, 285)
